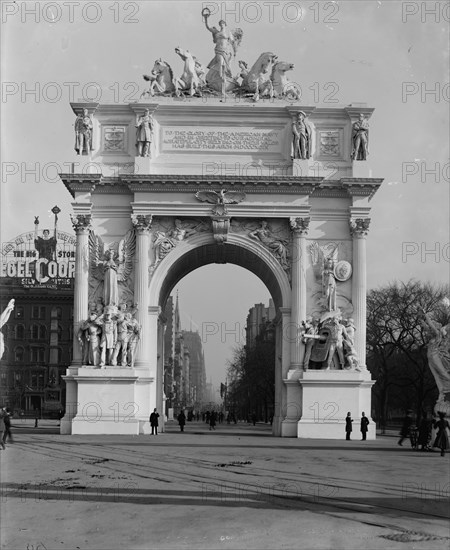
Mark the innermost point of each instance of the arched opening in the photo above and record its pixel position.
(253, 258)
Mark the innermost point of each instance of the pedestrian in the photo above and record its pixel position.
(7, 421)
(254, 418)
(212, 420)
(181, 420)
(154, 422)
(424, 433)
(364, 424)
(348, 426)
(404, 432)
(36, 418)
(442, 425)
(2, 428)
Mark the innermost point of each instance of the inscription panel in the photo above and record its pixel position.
(220, 139)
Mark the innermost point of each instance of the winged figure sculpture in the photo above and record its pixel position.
(109, 266)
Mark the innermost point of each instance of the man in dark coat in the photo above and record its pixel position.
(364, 424)
(348, 426)
(154, 422)
(181, 420)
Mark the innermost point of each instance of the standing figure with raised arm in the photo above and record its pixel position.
(3, 319)
(226, 44)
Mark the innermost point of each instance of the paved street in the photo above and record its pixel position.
(234, 488)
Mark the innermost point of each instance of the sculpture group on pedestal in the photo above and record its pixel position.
(109, 337)
(266, 78)
(438, 354)
(330, 343)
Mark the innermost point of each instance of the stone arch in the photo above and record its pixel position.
(201, 250)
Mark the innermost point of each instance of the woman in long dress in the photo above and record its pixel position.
(442, 425)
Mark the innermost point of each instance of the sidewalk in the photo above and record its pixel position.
(237, 487)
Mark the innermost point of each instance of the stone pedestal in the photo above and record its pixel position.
(142, 165)
(361, 169)
(327, 397)
(301, 168)
(106, 402)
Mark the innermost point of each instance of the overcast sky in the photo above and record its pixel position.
(391, 55)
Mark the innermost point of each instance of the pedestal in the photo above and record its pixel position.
(142, 165)
(300, 167)
(361, 169)
(327, 398)
(106, 402)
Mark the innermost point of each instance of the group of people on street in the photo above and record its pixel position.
(363, 427)
(422, 437)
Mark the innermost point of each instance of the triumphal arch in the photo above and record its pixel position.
(210, 168)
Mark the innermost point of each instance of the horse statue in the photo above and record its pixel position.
(160, 78)
(282, 86)
(189, 80)
(257, 80)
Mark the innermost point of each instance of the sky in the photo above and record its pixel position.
(392, 55)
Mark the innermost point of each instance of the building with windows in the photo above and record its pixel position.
(38, 335)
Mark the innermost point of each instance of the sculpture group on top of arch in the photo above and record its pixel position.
(265, 78)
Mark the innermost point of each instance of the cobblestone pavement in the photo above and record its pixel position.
(237, 487)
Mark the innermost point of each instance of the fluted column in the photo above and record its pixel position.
(299, 227)
(81, 224)
(142, 225)
(359, 228)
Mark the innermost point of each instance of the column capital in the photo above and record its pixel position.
(142, 222)
(359, 227)
(81, 223)
(299, 226)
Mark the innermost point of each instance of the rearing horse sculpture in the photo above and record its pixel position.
(189, 80)
(258, 78)
(160, 78)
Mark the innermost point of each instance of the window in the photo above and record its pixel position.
(59, 313)
(60, 331)
(34, 332)
(60, 354)
(37, 355)
(42, 332)
(20, 332)
(17, 377)
(18, 354)
(38, 312)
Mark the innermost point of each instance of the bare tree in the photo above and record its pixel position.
(396, 349)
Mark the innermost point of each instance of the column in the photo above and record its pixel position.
(142, 225)
(299, 227)
(81, 224)
(359, 227)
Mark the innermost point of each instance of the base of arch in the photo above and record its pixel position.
(327, 397)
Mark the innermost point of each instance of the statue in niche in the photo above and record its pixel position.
(3, 320)
(360, 138)
(327, 270)
(437, 338)
(275, 244)
(301, 144)
(219, 76)
(83, 133)
(110, 267)
(144, 134)
(220, 198)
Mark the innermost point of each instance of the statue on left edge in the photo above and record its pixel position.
(83, 133)
(3, 319)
